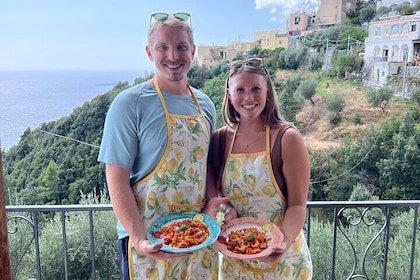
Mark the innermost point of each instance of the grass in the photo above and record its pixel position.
(357, 115)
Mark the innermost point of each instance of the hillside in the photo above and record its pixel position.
(357, 114)
(56, 162)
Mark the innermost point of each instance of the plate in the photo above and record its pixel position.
(214, 229)
(271, 231)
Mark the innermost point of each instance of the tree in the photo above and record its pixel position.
(380, 97)
(384, 11)
(353, 17)
(415, 96)
(288, 105)
(307, 89)
(315, 63)
(215, 89)
(368, 13)
(197, 76)
(51, 183)
(405, 9)
(292, 59)
(400, 172)
(344, 65)
(335, 104)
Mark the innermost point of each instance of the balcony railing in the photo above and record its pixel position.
(343, 218)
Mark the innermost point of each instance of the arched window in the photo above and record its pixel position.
(395, 29)
(377, 31)
(405, 28)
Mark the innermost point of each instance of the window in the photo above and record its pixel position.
(377, 31)
(297, 20)
(405, 55)
(385, 55)
(395, 29)
(405, 28)
(413, 27)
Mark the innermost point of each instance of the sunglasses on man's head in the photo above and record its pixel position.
(164, 16)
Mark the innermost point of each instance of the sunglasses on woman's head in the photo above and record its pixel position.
(164, 16)
(254, 62)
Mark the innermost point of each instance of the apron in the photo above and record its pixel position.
(177, 184)
(248, 180)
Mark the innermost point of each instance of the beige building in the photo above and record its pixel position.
(212, 55)
(331, 12)
(271, 39)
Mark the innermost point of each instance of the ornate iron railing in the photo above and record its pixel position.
(343, 217)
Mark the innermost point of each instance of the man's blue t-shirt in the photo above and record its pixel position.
(135, 131)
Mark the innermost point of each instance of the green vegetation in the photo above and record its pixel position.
(358, 150)
(56, 162)
(78, 244)
(352, 233)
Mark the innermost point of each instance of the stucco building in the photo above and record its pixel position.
(212, 55)
(271, 39)
(392, 44)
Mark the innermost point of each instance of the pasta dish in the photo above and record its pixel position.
(247, 241)
(183, 234)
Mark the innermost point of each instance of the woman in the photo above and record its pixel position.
(262, 165)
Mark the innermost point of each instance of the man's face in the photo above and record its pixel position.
(172, 53)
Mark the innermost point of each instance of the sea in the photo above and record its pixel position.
(30, 98)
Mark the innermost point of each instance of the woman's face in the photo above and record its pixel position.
(248, 94)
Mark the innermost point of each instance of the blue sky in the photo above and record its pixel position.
(111, 35)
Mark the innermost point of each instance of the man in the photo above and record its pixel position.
(155, 144)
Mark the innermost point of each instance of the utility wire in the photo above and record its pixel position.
(312, 182)
(51, 133)
(361, 161)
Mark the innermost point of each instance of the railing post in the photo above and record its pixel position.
(4, 239)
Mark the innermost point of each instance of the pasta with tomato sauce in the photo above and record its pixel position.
(183, 234)
(247, 241)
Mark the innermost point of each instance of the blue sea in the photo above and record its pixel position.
(30, 98)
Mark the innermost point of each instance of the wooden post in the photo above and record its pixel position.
(5, 273)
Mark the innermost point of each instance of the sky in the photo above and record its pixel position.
(112, 35)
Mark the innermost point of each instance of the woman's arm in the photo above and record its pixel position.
(296, 170)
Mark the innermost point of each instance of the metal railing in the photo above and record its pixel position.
(361, 214)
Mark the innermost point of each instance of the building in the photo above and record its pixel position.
(211, 56)
(332, 12)
(393, 44)
(298, 26)
(394, 3)
(271, 40)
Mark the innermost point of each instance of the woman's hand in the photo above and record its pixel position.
(220, 204)
(228, 211)
(278, 251)
(152, 250)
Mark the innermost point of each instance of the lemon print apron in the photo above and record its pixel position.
(248, 180)
(177, 184)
